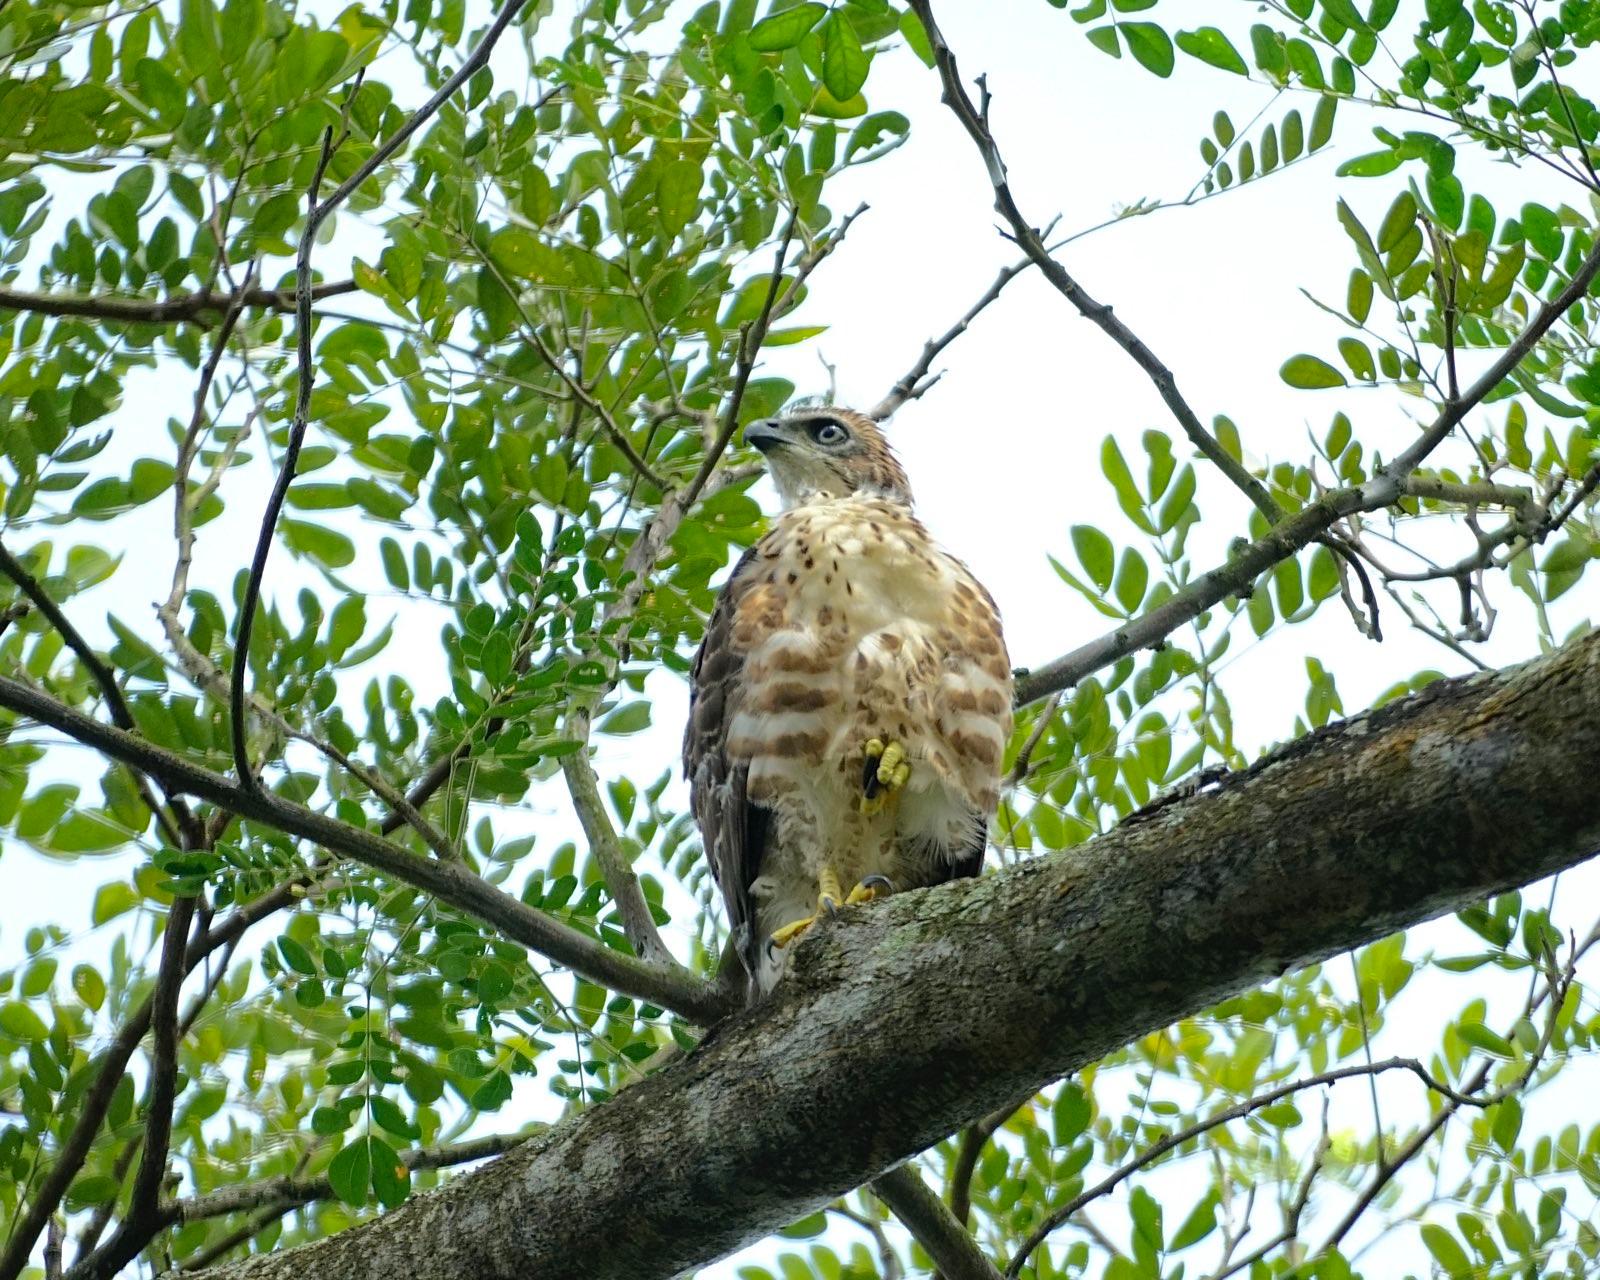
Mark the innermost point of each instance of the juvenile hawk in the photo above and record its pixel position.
(852, 699)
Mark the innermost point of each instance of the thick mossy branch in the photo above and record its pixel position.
(905, 1020)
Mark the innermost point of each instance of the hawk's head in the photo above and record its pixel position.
(827, 452)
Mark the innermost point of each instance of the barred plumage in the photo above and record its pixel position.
(851, 701)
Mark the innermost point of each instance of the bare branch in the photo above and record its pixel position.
(915, 381)
(450, 882)
(1305, 525)
(934, 1227)
(973, 1140)
(113, 1062)
(318, 212)
(1228, 1114)
(751, 336)
(181, 826)
(1030, 239)
(584, 788)
(282, 1194)
(142, 1219)
(202, 306)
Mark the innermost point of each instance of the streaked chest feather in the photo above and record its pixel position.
(857, 625)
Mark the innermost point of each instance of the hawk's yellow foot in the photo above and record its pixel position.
(884, 772)
(829, 896)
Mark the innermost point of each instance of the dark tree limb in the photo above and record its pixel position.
(905, 1020)
(1028, 237)
(933, 1226)
(319, 210)
(181, 825)
(108, 1075)
(203, 305)
(451, 882)
(142, 1220)
(1309, 523)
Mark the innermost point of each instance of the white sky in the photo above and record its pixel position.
(1003, 453)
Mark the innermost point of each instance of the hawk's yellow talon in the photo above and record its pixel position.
(783, 936)
(874, 748)
(891, 765)
(829, 896)
(869, 890)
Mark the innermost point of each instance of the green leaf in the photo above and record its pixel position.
(88, 985)
(1210, 46)
(1267, 47)
(1441, 1244)
(844, 63)
(1095, 554)
(1150, 46)
(1310, 373)
(330, 549)
(1402, 216)
(111, 900)
(1200, 1223)
(627, 719)
(785, 30)
(388, 1115)
(85, 831)
(916, 37)
(678, 194)
(350, 1173)
(1480, 1037)
(1132, 578)
(22, 1023)
(1372, 165)
(296, 956)
(1105, 40)
(390, 1179)
(1322, 121)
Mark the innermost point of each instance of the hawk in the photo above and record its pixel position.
(851, 701)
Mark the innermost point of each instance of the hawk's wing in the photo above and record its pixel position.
(734, 831)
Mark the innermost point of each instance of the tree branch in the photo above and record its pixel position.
(451, 882)
(933, 1226)
(1028, 237)
(934, 1007)
(915, 382)
(142, 1219)
(318, 211)
(201, 305)
(289, 1192)
(113, 1062)
(181, 826)
(1305, 525)
(584, 788)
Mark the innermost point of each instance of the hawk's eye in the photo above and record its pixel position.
(829, 432)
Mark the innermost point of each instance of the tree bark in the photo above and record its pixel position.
(902, 1021)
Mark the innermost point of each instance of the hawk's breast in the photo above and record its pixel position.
(858, 625)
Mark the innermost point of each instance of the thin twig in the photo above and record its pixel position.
(751, 336)
(1032, 243)
(584, 788)
(1228, 1114)
(915, 382)
(318, 211)
(181, 825)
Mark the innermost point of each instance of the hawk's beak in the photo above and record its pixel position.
(764, 434)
